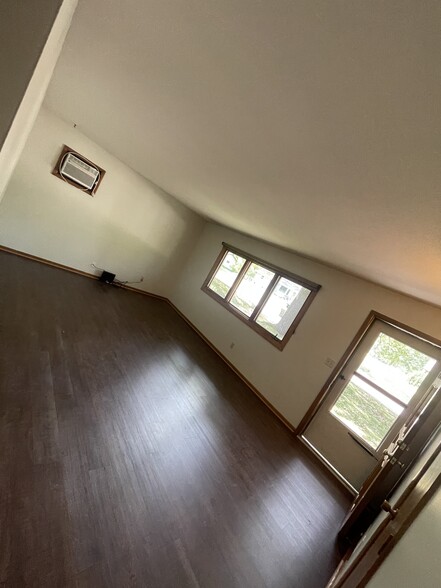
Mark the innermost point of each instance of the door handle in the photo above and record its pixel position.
(393, 459)
(403, 445)
(387, 507)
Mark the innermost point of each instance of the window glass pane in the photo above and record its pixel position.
(365, 411)
(226, 274)
(282, 307)
(396, 367)
(251, 288)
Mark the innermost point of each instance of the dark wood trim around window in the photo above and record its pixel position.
(279, 273)
(275, 268)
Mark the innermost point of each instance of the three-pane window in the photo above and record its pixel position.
(271, 300)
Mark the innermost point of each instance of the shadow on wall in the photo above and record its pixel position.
(130, 227)
(159, 263)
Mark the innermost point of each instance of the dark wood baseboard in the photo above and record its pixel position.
(73, 270)
(47, 262)
(145, 293)
(236, 371)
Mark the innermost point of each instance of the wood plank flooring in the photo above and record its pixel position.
(132, 456)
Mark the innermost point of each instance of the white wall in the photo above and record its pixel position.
(133, 228)
(292, 378)
(32, 35)
(129, 227)
(415, 560)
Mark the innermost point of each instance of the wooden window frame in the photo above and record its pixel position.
(278, 273)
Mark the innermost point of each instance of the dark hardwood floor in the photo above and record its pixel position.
(132, 456)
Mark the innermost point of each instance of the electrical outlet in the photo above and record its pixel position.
(329, 362)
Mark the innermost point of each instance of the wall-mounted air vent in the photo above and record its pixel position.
(78, 171)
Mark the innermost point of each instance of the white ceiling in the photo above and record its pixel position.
(311, 124)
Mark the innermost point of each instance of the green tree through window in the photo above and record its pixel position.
(397, 354)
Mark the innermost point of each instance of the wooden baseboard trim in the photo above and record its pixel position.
(144, 292)
(47, 262)
(236, 371)
(164, 299)
(73, 270)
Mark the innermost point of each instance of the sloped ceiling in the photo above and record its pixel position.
(314, 125)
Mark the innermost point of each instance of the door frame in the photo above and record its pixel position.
(371, 318)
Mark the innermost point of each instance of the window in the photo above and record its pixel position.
(381, 388)
(270, 300)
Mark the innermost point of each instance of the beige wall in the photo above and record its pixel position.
(31, 38)
(291, 379)
(129, 227)
(415, 560)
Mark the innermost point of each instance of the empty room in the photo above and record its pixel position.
(220, 293)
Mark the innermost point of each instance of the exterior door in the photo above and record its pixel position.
(419, 486)
(409, 445)
(388, 378)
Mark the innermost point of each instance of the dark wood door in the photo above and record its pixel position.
(409, 443)
(420, 484)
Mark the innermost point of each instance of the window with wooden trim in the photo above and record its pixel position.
(272, 301)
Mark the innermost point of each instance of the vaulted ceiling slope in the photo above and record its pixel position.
(311, 124)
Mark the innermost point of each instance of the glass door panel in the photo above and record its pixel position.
(381, 388)
(366, 412)
(384, 382)
(396, 367)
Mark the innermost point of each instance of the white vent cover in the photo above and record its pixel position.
(79, 171)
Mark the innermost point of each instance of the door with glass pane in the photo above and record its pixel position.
(387, 379)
